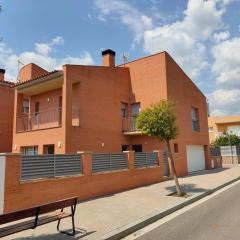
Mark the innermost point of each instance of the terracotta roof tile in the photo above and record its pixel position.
(6, 83)
(33, 79)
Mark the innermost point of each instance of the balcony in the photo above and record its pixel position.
(50, 118)
(129, 126)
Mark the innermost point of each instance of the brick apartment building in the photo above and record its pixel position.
(93, 108)
(6, 113)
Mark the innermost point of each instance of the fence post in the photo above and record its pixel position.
(9, 179)
(207, 157)
(86, 163)
(160, 161)
(131, 159)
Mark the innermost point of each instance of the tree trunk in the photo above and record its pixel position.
(178, 188)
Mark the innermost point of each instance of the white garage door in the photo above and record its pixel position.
(195, 158)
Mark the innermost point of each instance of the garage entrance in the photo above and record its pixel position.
(195, 158)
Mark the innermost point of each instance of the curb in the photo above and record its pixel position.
(128, 229)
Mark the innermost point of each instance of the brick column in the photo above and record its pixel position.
(10, 180)
(66, 107)
(207, 157)
(87, 164)
(18, 103)
(131, 158)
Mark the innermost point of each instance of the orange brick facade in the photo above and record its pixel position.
(20, 195)
(89, 100)
(6, 114)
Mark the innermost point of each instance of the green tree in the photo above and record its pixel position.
(159, 120)
(227, 139)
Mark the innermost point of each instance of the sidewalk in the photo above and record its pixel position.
(102, 216)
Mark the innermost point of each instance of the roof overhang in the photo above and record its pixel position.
(228, 122)
(41, 85)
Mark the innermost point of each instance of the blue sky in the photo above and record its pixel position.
(203, 36)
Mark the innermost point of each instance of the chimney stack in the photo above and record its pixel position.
(108, 58)
(2, 73)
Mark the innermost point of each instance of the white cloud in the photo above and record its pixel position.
(46, 48)
(224, 102)
(185, 39)
(57, 41)
(221, 36)
(43, 48)
(183, 48)
(226, 65)
(134, 19)
(41, 56)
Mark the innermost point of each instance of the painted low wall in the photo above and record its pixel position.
(2, 182)
(24, 194)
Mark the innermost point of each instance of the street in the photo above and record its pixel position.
(217, 218)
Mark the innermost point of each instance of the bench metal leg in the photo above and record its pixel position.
(73, 224)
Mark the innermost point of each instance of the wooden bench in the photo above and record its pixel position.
(39, 215)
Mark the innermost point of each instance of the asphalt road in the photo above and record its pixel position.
(216, 219)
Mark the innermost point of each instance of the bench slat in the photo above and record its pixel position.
(31, 212)
(57, 205)
(18, 227)
(15, 216)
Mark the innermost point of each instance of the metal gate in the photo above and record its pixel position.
(165, 164)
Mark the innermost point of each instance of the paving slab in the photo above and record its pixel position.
(102, 217)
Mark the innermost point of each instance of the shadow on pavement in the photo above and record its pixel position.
(188, 188)
(80, 233)
(206, 172)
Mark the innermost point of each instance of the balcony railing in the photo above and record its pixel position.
(50, 118)
(129, 125)
(40, 120)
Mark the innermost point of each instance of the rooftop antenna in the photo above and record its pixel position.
(19, 64)
(125, 58)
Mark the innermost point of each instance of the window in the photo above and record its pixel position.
(32, 150)
(137, 148)
(210, 129)
(175, 146)
(25, 108)
(195, 120)
(36, 108)
(124, 110)
(60, 110)
(60, 102)
(48, 149)
(135, 109)
(125, 148)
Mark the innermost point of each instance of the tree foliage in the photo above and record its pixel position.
(227, 139)
(159, 120)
